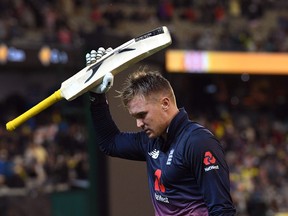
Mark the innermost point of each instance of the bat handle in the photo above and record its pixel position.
(55, 97)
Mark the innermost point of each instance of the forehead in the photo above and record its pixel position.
(137, 104)
(140, 102)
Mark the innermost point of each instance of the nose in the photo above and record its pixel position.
(139, 123)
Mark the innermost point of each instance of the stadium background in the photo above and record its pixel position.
(51, 166)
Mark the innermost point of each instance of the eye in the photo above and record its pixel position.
(141, 115)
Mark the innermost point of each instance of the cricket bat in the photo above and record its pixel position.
(90, 76)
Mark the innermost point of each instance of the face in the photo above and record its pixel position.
(149, 115)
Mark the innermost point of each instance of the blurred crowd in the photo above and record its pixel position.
(244, 25)
(46, 154)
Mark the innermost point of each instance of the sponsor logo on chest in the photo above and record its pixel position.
(154, 154)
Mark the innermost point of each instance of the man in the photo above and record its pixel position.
(187, 171)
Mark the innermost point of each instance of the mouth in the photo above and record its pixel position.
(147, 131)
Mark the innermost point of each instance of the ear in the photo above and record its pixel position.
(165, 103)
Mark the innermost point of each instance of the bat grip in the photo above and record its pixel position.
(44, 104)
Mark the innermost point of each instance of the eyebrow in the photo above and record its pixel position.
(139, 114)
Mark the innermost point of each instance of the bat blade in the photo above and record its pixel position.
(119, 59)
(116, 61)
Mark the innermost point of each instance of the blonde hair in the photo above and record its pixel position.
(145, 83)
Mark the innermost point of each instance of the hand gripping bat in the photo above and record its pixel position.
(89, 77)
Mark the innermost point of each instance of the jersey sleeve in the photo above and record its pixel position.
(207, 162)
(108, 136)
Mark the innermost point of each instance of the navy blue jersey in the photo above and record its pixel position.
(187, 172)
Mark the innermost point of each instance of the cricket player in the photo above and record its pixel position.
(186, 166)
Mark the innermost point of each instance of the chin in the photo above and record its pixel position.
(152, 135)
